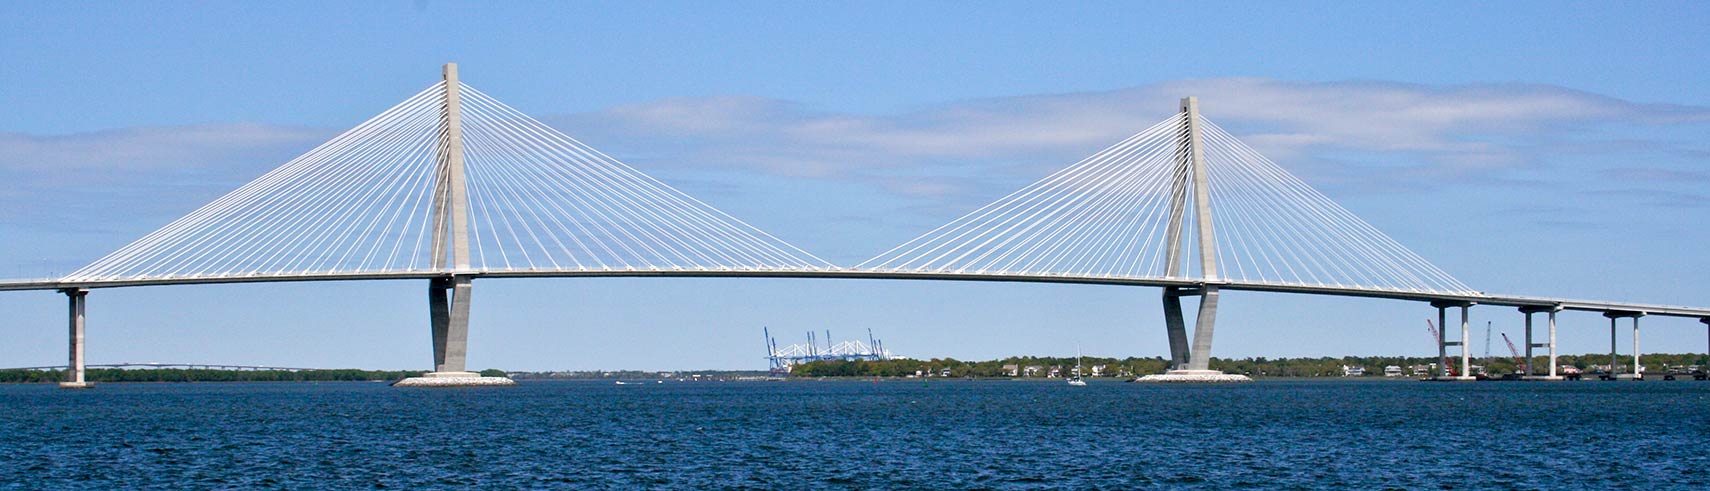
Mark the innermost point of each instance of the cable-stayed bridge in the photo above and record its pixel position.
(452, 185)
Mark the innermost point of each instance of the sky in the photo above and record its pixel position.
(1528, 148)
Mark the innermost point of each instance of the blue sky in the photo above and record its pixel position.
(1527, 148)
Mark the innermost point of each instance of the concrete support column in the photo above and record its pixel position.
(1527, 367)
(1177, 328)
(1442, 341)
(1706, 322)
(74, 371)
(1637, 373)
(1612, 346)
(1466, 354)
(1553, 361)
(1200, 359)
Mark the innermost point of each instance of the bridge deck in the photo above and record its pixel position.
(1469, 297)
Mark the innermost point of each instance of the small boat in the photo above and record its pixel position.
(1075, 379)
(620, 382)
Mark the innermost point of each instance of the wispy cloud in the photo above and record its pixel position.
(148, 167)
(1357, 131)
(149, 149)
(1373, 135)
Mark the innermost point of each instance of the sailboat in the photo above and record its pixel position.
(1075, 379)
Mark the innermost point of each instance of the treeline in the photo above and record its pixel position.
(904, 367)
(638, 374)
(1258, 366)
(210, 375)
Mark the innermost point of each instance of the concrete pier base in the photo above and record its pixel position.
(77, 385)
(454, 379)
(1452, 379)
(1193, 376)
(1543, 378)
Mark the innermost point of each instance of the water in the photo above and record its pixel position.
(860, 435)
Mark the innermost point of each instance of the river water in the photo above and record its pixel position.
(1366, 434)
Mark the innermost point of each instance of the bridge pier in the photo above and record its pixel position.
(1443, 343)
(74, 369)
(1531, 374)
(1614, 316)
(1191, 364)
(448, 310)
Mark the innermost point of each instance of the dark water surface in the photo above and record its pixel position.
(860, 435)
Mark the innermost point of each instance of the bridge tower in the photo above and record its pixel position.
(1191, 363)
(449, 295)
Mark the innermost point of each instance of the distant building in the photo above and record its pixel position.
(1012, 370)
(1032, 370)
(1392, 371)
(944, 372)
(1098, 370)
(1055, 372)
(1348, 371)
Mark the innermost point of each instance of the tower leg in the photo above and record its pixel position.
(439, 314)
(457, 331)
(1177, 329)
(1200, 359)
(74, 373)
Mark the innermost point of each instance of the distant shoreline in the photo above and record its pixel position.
(1011, 368)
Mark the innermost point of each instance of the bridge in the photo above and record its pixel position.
(451, 185)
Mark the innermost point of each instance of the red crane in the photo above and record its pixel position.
(1442, 361)
(1519, 361)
